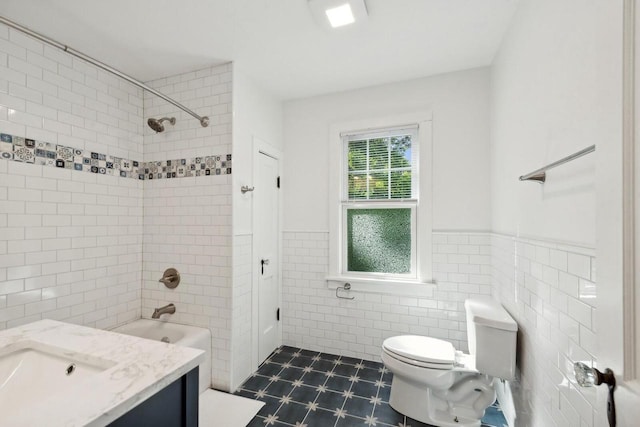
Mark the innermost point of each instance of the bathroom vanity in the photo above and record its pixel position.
(59, 374)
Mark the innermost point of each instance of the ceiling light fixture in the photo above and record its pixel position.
(338, 13)
(341, 15)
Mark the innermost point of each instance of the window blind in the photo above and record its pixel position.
(381, 165)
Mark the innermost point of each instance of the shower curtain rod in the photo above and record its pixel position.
(204, 120)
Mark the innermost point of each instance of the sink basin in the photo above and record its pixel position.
(31, 372)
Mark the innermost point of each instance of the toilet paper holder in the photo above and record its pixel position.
(345, 287)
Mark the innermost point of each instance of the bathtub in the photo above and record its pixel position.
(188, 336)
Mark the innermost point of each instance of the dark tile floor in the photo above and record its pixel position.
(304, 388)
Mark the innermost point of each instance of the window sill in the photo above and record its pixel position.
(414, 288)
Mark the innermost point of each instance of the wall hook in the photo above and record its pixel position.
(246, 188)
(346, 287)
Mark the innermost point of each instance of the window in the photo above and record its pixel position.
(380, 214)
(379, 202)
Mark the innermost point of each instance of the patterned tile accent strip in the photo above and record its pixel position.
(47, 154)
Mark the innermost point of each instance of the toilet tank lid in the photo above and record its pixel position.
(488, 312)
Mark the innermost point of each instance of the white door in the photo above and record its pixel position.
(617, 250)
(266, 214)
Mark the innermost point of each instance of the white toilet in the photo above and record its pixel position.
(435, 384)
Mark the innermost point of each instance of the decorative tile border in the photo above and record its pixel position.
(47, 154)
(180, 168)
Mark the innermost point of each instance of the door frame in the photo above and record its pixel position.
(260, 147)
(630, 179)
(618, 213)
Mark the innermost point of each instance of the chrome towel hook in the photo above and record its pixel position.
(246, 188)
(346, 287)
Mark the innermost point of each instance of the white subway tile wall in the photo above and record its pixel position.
(70, 243)
(550, 290)
(315, 319)
(206, 92)
(242, 340)
(187, 222)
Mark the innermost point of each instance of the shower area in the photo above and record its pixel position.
(162, 198)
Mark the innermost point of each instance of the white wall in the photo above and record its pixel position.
(256, 114)
(544, 107)
(70, 241)
(313, 317)
(460, 105)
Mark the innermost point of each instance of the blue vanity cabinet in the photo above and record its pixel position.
(176, 405)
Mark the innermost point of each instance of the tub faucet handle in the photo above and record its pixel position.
(170, 278)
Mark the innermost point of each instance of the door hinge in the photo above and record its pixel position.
(278, 182)
(278, 314)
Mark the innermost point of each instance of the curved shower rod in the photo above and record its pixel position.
(204, 120)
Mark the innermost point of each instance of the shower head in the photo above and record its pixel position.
(156, 124)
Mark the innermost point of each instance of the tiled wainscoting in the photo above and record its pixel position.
(549, 288)
(551, 292)
(315, 319)
(242, 339)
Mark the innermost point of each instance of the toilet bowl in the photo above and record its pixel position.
(435, 384)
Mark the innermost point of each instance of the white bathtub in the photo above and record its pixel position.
(188, 336)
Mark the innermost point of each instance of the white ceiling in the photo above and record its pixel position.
(277, 42)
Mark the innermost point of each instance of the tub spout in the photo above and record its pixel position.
(167, 309)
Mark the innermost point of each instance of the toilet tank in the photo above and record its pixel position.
(491, 332)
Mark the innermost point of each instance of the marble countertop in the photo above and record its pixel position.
(139, 369)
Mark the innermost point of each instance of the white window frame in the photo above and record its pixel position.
(421, 229)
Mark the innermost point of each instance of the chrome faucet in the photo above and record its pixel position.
(167, 309)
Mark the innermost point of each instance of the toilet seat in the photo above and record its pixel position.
(424, 352)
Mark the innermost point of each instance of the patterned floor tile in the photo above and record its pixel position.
(358, 407)
(323, 365)
(280, 358)
(344, 370)
(301, 362)
(364, 389)
(338, 383)
(292, 412)
(384, 393)
(386, 414)
(308, 353)
(279, 388)
(256, 422)
(350, 360)
(369, 374)
(304, 394)
(410, 422)
(309, 389)
(314, 378)
(256, 383)
(330, 357)
(320, 418)
(330, 400)
(269, 369)
(271, 405)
